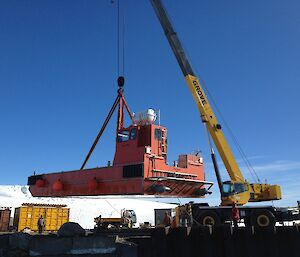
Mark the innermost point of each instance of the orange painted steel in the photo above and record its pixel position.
(139, 168)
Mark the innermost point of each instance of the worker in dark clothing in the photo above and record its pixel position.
(41, 224)
(167, 219)
(235, 214)
(98, 222)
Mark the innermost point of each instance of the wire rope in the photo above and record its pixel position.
(235, 140)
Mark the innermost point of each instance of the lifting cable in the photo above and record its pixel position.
(114, 209)
(120, 41)
(235, 140)
(120, 70)
(115, 104)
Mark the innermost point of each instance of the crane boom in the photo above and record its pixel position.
(240, 190)
(199, 96)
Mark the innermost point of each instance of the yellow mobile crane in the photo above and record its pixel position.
(237, 189)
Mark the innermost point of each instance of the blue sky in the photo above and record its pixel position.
(58, 70)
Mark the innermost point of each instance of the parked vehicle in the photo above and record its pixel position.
(127, 220)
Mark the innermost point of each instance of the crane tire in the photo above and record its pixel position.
(209, 218)
(263, 219)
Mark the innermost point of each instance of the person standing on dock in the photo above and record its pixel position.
(41, 224)
(235, 214)
(167, 219)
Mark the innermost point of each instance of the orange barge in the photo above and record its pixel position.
(139, 167)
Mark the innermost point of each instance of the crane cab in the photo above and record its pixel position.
(237, 192)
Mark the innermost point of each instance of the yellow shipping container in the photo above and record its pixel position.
(27, 216)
